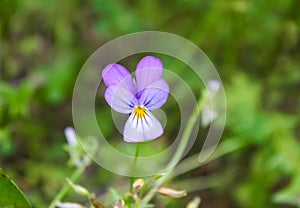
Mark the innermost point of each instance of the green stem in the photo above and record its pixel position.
(192, 162)
(188, 130)
(63, 191)
(137, 152)
(180, 150)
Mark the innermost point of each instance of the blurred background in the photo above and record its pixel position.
(254, 45)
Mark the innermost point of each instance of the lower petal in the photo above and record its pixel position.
(142, 129)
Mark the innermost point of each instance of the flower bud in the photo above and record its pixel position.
(194, 203)
(172, 192)
(73, 146)
(94, 202)
(137, 185)
(119, 204)
(207, 115)
(214, 85)
(68, 205)
(79, 189)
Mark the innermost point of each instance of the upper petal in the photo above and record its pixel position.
(120, 88)
(142, 129)
(155, 94)
(148, 70)
(120, 98)
(115, 74)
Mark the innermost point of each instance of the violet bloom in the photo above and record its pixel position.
(208, 115)
(214, 85)
(149, 91)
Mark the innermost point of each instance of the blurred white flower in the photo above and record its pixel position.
(68, 205)
(194, 203)
(119, 204)
(207, 115)
(172, 192)
(79, 189)
(73, 146)
(214, 85)
(71, 136)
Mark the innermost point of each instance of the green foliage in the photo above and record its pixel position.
(11, 195)
(254, 45)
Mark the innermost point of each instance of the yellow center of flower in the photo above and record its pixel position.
(139, 112)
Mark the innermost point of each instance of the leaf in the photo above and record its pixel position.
(116, 195)
(11, 195)
(290, 194)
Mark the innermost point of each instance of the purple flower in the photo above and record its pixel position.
(214, 85)
(149, 91)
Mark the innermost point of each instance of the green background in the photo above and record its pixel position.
(254, 45)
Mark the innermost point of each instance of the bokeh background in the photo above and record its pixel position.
(254, 45)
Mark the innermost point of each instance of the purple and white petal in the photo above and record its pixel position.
(148, 70)
(120, 99)
(155, 95)
(142, 129)
(71, 136)
(115, 74)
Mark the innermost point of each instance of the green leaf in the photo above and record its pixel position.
(116, 195)
(11, 195)
(290, 194)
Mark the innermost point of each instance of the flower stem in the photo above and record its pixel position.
(192, 162)
(188, 130)
(180, 150)
(63, 191)
(137, 152)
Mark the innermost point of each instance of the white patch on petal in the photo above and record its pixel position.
(142, 129)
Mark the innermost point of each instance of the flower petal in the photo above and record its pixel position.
(207, 115)
(214, 85)
(120, 88)
(142, 129)
(115, 74)
(148, 70)
(155, 94)
(120, 98)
